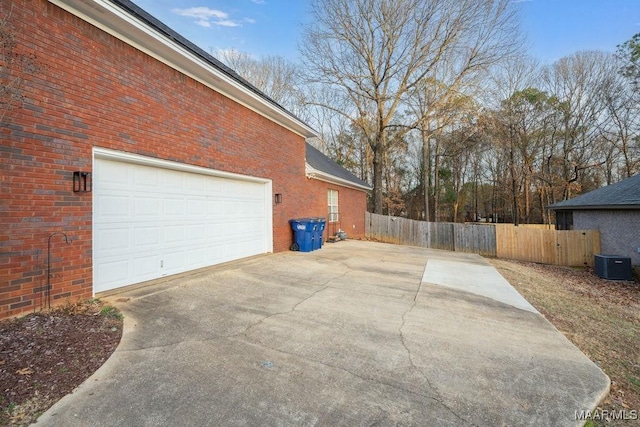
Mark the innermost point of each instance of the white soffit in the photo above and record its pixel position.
(120, 24)
(313, 173)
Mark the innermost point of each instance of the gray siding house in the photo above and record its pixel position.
(614, 210)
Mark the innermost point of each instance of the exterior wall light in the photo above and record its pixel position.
(278, 197)
(81, 182)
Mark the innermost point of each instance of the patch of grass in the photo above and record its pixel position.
(111, 312)
(26, 413)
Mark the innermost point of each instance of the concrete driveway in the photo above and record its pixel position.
(357, 333)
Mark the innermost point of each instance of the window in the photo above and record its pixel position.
(564, 220)
(332, 201)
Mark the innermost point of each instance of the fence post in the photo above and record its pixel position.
(453, 236)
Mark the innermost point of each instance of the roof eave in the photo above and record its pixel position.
(313, 173)
(144, 37)
(593, 207)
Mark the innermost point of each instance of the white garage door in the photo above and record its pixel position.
(150, 221)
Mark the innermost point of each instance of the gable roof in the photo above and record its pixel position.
(134, 26)
(621, 195)
(319, 166)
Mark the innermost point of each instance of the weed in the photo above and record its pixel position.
(111, 312)
(71, 307)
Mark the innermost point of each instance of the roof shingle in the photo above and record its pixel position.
(621, 195)
(322, 163)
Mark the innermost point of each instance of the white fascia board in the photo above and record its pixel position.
(313, 173)
(117, 22)
(121, 156)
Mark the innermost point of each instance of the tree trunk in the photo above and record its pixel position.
(377, 177)
(514, 184)
(527, 199)
(436, 185)
(426, 172)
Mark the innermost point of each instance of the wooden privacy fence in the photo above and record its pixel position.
(476, 238)
(558, 247)
(528, 243)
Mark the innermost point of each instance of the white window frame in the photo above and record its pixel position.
(332, 203)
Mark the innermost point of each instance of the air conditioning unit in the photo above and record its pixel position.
(613, 267)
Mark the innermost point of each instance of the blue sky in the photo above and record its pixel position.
(554, 28)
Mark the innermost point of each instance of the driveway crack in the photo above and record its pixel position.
(438, 397)
(343, 369)
(324, 286)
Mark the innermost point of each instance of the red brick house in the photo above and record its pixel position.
(151, 156)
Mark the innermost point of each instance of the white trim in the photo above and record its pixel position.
(268, 208)
(121, 156)
(117, 22)
(331, 215)
(313, 173)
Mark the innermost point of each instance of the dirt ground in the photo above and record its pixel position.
(46, 355)
(600, 317)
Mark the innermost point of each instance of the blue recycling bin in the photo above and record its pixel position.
(319, 232)
(303, 238)
(315, 240)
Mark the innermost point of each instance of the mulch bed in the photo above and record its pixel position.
(44, 356)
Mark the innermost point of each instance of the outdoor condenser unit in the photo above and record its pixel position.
(613, 267)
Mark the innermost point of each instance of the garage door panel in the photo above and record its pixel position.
(196, 233)
(150, 222)
(192, 185)
(146, 267)
(111, 273)
(173, 182)
(196, 207)
(228, 208)
(172, 206)
(112, 241)
(174, 262)
(147, 178)
(215, 188)
(144, 206)
(174, 234)
(196, 257)
(112, 207)
(147, 237)
(115, 175)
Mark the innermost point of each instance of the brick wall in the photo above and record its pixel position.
(619, 230)
(352, 205)
(95, 90)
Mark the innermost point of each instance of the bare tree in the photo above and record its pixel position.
(378, 51)
(276, 76)
(621, 126)
(577, 81)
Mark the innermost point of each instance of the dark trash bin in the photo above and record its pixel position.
(302, 234)
(317, 234)
(322, 223)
